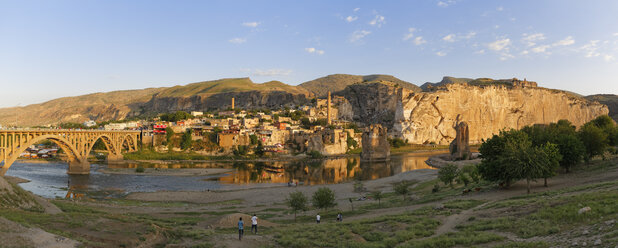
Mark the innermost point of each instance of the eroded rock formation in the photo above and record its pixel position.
(460, 147)
(375, 143)
(429, 117)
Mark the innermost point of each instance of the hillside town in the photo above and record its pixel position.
(304, 129)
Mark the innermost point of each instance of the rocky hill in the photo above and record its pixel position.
(610, 100)
(118, 105)
(338, 82)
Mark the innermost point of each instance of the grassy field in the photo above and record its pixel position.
(489, 217)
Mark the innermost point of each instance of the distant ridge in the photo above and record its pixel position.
(338, 82)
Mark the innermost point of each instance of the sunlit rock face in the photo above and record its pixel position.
(430, 117)
(375, 143)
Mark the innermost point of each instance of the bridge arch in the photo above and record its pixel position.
(77, 144)
(63, 143)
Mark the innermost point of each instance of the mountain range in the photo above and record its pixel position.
(207, 95)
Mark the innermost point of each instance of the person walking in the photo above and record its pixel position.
(317, 218)
(340, 217)
(254, 223)
(240, 228)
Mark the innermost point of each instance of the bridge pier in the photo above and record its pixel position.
(79, 167)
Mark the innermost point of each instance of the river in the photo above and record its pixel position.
(50, 179)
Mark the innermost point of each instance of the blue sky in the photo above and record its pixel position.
(51, 49)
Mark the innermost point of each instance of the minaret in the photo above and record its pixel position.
(232, 103)
(328, 109)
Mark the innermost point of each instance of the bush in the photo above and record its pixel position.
(323, 198)
(447, 174)
(186, 140)
(315, 154)
(402, 188)
(397, 142)
(139, 169)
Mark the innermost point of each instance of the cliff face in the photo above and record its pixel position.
(372, 103)
(242, 100)
(431, 116)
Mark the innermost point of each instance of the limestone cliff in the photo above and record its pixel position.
(487, 108)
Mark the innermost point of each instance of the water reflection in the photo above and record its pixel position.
(51, 180)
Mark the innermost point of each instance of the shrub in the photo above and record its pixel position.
(323, 198)
(139, 169)
(447, 174)
(402, 188)
(315, 154)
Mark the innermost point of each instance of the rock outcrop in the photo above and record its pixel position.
(373, 103)
(375, 143)
(329, 142)
(460, 147)
(429, 117)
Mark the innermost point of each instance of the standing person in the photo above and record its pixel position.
(241, 231)
(317, 218)
(254, 223)
(340, 217)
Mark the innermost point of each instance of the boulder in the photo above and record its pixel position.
(584, 210)
(375, 144)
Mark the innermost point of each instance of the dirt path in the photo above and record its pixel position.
(248, 240)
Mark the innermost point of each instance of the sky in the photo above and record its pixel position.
(52, 49)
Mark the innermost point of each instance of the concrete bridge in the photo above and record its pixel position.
(76, 144)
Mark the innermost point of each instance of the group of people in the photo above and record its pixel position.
(254, 224)
(339, 217)
(241, 224)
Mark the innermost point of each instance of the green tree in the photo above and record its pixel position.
(550, 160)
(447, 174)
(297, 201)
(472, 171)
(176, 116)
(323, 198)
(402, 188)
(498, 153)
(186, 140)
(254, 139)
(594, 139)
(259, 150)
(377, 195)
(571, 149)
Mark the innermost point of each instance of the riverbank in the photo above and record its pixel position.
(184, 172)
(424, 218)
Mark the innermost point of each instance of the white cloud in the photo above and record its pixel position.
(540, 49)
(449, 38)
(250, 24)
(441, 53)
(500, 8)
(615, 34)
(314, 50)
(358, 35)
(446, 3)
(531, 39)
(469, 35)
(271, 72)
(608, 57)
(419, 40)
(356, 9)
(566, 42)
(591, 49)
(237, 40)
(410, 34)
(499, 45)
(351, 18)
(482, 51)
(525, 52)
(377, 21)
